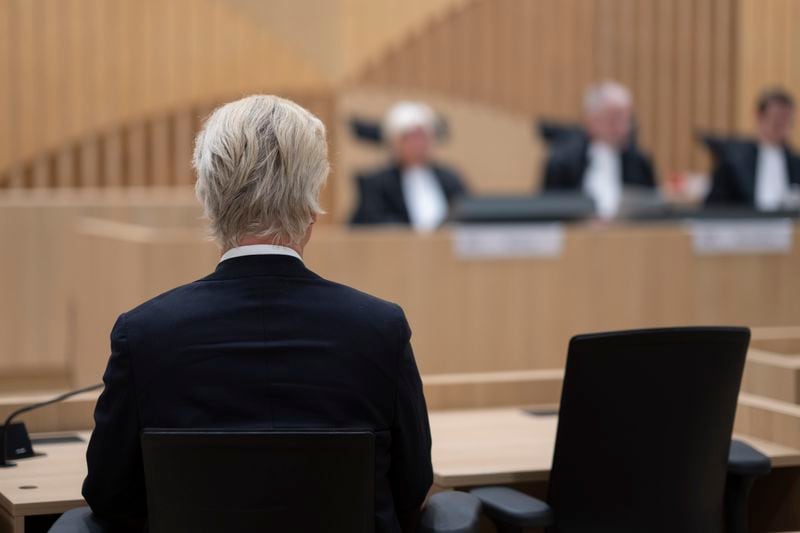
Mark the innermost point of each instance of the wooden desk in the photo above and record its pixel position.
(500, 446)
(470, 447)
(512, 447)
(49, 484)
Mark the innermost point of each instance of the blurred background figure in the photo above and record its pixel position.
(760, 172)
(603, 159)
(413, 189)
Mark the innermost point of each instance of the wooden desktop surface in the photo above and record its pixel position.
(508, 445)
(470, 447)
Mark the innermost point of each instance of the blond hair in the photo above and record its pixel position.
(261, 162)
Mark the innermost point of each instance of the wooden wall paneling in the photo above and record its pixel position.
(49, 43)
(683, 102)
(91, 65)
(793, 79)
(510, 80)
(646, 68)
(626, 41)
(441, 54)
(766, 55)
(587, 32)
(25, 72)
(724, 47)
(160, 147)
(566, 58)
(136, 154)
(500, 315)
(504, 74)
(469, 45)
(89, 164)
(665, 87)
(771, 51)
(523, 23)
(41, 172)
(702, 58)
(113, 158)
(532, 58)
(183, 142)
(101, 79)
(676, 56)
(548, 79)
(66, 166)
(605, 65)
(7, 137)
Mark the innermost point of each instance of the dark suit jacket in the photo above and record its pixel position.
(568, 161)
(381, 198)
(734, 175)
(262, 342)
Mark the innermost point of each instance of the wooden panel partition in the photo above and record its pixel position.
(72, 68)
(41, 265)
(471, 316)
(768, 54)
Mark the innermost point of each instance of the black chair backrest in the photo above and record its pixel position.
(257, 481)
(644, 430)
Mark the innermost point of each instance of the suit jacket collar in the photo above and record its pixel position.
(747, 167)
(261, 265)
(627, 157)
(394, 195)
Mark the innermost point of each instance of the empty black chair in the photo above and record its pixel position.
(256, 481)
(644, 437)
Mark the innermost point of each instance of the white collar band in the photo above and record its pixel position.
(259, 249)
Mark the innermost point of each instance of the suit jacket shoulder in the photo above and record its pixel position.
(452, 183)
(566, 164)
(637, 168)
(733, 175)
(380, 198)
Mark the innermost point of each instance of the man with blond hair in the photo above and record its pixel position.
(262, 342)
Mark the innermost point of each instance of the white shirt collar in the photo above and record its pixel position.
(259, 249)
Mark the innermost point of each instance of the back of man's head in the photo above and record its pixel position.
(261, 162)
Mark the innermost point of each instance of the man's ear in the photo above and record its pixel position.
(314, 218)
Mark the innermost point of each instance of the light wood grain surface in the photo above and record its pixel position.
(470, 447)
(468, 315)
(46, 484)
(487, 446)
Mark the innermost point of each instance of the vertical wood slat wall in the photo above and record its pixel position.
(769, 53)
(153, 151)
(535, 57)
(73, 68)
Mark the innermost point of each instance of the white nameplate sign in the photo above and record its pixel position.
(508, 241)
(734, 237)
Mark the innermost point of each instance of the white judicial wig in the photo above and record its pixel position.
(407, 116)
